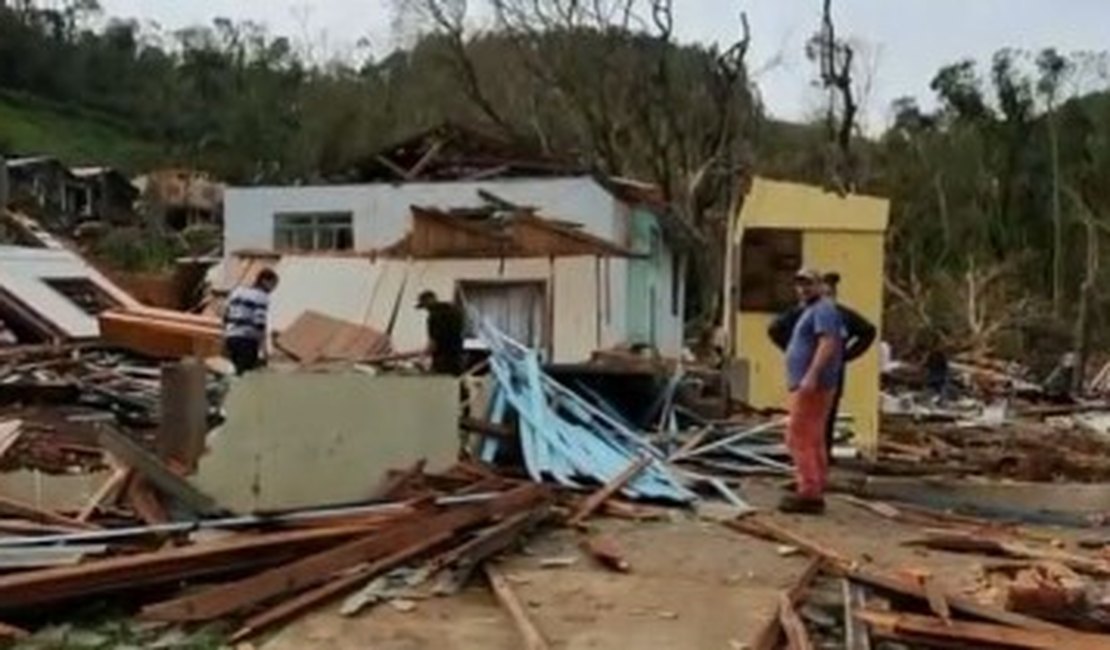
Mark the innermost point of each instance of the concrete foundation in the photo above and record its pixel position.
(297, 440)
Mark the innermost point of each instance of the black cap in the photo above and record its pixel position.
(426, 299)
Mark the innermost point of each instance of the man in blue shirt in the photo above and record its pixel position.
(814, 366)
(859, 334)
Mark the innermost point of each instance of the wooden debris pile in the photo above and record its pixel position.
(258, 570)
(1039, 597)
(1018, 448)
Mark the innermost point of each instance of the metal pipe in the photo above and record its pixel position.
(233, 522)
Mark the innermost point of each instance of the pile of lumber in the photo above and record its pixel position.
(260, 571)
(1020, 448)
(1042, 597)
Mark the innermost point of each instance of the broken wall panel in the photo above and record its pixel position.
(296, 440)
(37, 283)
(585, 296)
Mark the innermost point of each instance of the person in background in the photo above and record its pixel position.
(446, 325)
(814, 363)
(245, 322)
(937, 371)
(858, 336)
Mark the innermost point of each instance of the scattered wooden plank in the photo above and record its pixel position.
(26, 511)
(938, 601)
(486, 428)
(594, 501)
(144, 501)
(797, 637)
(489, 542)
(397, 484)
(970, 542)
(960, 604)
(856, 635)
(315, 569)
(607, 552)
(106, 492)
(979, 635)
(289, 609)
(37, 557)
(24, 590)
(153, 469)
(761, 528)
(764, 528)
(772, 634)
(529, 633)
(10, 432)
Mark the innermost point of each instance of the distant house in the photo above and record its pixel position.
(108, 195)
(567, 262)
(64, 197)
(179, 198)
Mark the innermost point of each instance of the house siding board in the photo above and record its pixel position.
(382, 213)
(365, 292)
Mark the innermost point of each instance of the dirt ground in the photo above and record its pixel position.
(694, 584)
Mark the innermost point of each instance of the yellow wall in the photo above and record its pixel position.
(776, 204)
(838, 234)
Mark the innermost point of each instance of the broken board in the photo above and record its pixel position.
(302, 439)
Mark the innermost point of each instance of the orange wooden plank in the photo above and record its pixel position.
(981, 635)
(22, 590)
(311, 571)
(594, 501)
(309, 599)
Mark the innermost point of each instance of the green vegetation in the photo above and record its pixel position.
(32, 126)
(1000, 200)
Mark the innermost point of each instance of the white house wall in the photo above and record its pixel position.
(22, 271)
(381, 213)
(368, 291)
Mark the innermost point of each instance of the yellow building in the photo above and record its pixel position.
(781, 228)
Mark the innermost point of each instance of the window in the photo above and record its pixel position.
(769, 258)
(515, 308)
(84, 293)
(313, 231)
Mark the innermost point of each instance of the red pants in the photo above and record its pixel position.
(805, 436)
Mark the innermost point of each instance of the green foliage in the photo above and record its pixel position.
(32, 125)
(138, 250)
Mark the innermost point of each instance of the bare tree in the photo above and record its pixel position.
(835, 58)
(448, 17)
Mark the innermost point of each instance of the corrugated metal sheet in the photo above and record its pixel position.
(564, 438)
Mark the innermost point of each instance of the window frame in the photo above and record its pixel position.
(314, 231)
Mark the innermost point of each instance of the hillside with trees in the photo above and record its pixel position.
(1000, 199)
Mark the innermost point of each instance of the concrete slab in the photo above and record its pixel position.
(301, 439)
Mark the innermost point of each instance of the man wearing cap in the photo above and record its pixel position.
(814, 362)
(445, 334)
(858, 336)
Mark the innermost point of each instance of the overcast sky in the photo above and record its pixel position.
(904, 41)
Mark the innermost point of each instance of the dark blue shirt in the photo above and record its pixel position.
(820, 318)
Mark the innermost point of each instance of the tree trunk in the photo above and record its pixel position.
(1057, 221)
(1086, 295)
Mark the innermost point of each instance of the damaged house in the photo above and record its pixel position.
(567, 262)
(65, 197)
